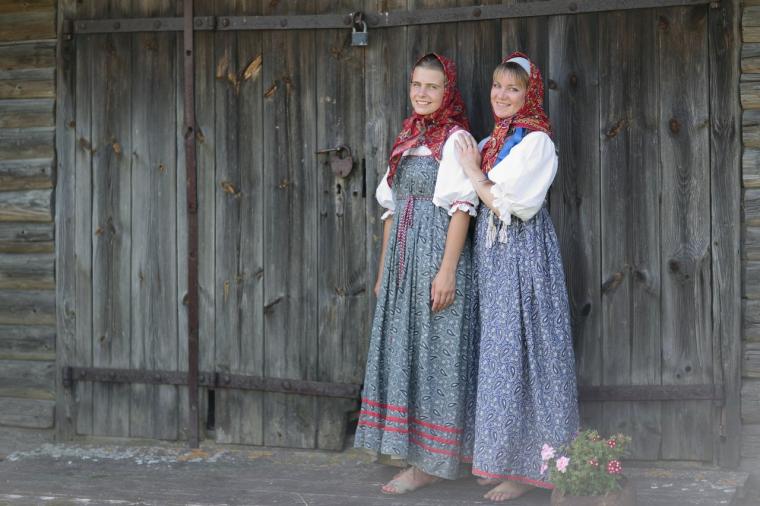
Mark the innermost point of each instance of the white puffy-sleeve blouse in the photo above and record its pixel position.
(453, 190)
(523, 177)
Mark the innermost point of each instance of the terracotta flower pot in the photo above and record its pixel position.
(626, 496)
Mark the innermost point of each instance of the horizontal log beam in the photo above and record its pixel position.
(751, 360)
(27, 307)
(751, 401)
(28, 379)
(375, 20)
(211, 380)
(28, 413)
(24, 342)
(26, 113)
(19, 88)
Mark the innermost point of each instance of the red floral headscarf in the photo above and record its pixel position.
(432, 130)
(530, 116)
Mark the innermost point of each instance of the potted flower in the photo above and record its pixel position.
(588, 472)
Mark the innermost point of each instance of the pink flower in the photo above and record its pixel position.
(614, 467)
(612, 443)
(562, 463)
(547, 452)
(593, 462)
(544, 467)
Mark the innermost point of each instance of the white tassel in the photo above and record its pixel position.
(504, 233)
(492, 231)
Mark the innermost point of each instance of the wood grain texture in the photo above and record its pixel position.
(290, 228)
(574, 111)
(240, 230)
(154, 410)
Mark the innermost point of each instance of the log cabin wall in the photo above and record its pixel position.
(27, 296)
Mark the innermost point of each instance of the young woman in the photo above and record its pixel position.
(526, 380)
(420, 364)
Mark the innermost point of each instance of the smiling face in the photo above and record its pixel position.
(426, 90)
(507, 93)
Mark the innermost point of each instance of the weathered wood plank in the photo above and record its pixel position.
(751, 441)
(751, 360)
(83, 229)
(751, 168)
(386, 92)
(34, 174)
(751, 319)
(751, 277)
(26, 143)
(27, 342)
(111, 221)
(631, 334)
(28, 56)
(342, 260)
(725, 152)
(751, 243)
(751, 206)
(290, 227)
(26, 113)
(239, 223)
(26, 238)
(27, 272)
(29, 413)
(725, 180)
(65, 294)
(154, 409)
(750, 401)
(27, 307)
(207, 188)
(750, 94)
(27, 26)
(31, 205)
(17, 88)
(751, 16)
(574, 109)
(29, 379)
(751, 128)
(529, 35)
(750, 55)
(686, 295)
(16, 6)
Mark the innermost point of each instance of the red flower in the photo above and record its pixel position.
(614, 467)
(612, 443)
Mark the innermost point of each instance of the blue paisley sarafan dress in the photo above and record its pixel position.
(526, 372)
(419, 384)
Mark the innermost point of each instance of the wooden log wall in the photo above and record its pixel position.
(27, 297)
(750, 100)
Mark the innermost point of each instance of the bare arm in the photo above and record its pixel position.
(387, 225)
(469, 158)
(443, 289)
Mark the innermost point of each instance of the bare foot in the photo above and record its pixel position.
(408, 481)
(485, 482)
(507, 490)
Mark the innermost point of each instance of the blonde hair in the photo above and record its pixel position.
(515, 70)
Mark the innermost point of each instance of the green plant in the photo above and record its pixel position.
(588, 465)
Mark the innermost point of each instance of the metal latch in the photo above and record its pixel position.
(340, 159)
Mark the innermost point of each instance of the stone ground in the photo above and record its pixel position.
(130, 474)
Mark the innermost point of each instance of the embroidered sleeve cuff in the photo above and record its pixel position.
(387, 214)
(462, 205)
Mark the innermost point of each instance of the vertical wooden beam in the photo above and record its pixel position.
(65, 412)
(192, 227)
(725, 172)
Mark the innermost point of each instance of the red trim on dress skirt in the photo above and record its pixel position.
(434, 426)
(442, 440)
(384, 427)
(392, 407)
(512, 477)
(378, 415)
(437, 450)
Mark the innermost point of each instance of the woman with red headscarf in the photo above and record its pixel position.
(418, 386)
(526, 392)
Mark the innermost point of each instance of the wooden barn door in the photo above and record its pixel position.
(289, 279)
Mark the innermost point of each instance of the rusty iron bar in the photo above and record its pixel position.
(705, 392)
(192, 227)
(376, 20)
(211, 380)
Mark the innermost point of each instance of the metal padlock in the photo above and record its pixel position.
(360, 38)
(340, 163)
